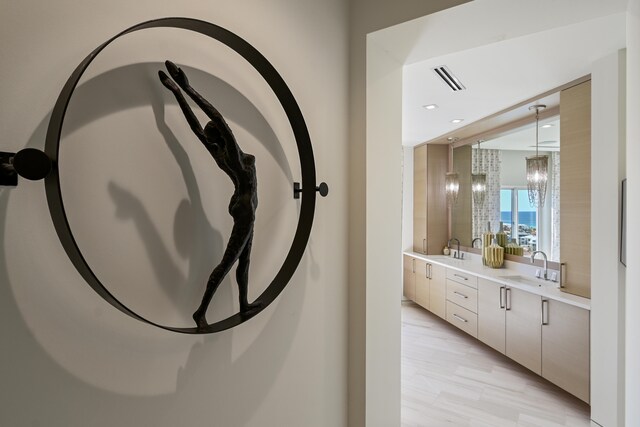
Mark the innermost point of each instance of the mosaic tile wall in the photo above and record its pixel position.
(488, 161)
(555, 206)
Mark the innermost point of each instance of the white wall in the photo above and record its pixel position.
(607, 275)
(632, 373)
(513, 168)
(148, 206)
(384, 219)
(407, 198)
(367, 16)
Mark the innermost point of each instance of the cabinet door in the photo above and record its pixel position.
(408, 278)
(523, 326)
(491, 314)
(438, 291)
(565, 347)
(422, 284)
(420, 199)
(575, 188)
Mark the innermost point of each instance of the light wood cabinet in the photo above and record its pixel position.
(437, 287)
(462, 301)
(422, 283)
(409, 277)
(462, 295)
(575, 188)
(548, 337)
(565, 347)
(491, 314)
(462, 318)
(523, 328)
(430, 217)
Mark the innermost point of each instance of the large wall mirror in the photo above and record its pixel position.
(501, 154)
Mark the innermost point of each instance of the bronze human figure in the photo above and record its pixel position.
(240, 167)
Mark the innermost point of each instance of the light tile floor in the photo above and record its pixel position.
(451, 379)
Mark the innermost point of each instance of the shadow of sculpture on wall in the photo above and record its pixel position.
(240, 167)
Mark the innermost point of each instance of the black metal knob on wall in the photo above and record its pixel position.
(322, 189)
(29, 163)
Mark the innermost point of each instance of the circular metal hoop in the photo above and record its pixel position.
(303, 141)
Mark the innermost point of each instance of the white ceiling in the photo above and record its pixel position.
(502, 73)
(524, 139)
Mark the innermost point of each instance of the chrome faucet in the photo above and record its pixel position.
(544, 256)
(474, 240)
(457, 254)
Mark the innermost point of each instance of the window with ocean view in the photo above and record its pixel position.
(519, 218)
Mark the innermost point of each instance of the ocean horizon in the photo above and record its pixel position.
(526, 217)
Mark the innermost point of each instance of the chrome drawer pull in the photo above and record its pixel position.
(462, 277)
(460, 295)
(460, 318)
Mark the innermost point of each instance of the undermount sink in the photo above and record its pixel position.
(531, 281)
(446, 259)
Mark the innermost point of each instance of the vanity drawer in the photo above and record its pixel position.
(462, 318)
(462, 277)
(462, 295)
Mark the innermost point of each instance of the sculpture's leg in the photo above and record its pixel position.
(239, 236)
(242, 277)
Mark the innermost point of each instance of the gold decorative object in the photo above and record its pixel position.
(494, 255)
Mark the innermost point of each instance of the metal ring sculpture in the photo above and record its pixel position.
(303, 141)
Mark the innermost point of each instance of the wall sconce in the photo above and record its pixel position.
(452, 186)
(29, 163)
(537, 170)
(478, 180)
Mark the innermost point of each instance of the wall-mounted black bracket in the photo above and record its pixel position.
(29, 163)
(323, 189)
(8, 174)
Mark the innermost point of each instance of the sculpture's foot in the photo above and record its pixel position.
(200, 319)
(250, 308)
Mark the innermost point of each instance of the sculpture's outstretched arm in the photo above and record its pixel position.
(184, 106)
(181, 78)
(220, 123)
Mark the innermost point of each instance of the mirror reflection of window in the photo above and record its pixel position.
(519, 218)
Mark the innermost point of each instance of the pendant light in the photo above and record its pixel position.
(537, 169)
(452, 180)
(478, 180)
(452, 186)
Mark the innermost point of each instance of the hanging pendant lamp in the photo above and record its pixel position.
(452, 186)
(537, 169)
(478, 180)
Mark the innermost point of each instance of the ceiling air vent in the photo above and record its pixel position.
(450, 80)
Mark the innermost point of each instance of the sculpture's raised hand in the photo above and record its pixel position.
(167, 82)
(177, 74)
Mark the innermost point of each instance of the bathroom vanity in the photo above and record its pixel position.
(509, 309)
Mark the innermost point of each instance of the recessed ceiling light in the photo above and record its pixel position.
(457, 120)
(548, 125)
(430, 107)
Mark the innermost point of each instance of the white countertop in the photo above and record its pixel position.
(473, 265)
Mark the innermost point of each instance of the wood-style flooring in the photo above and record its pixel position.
(451, 379)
